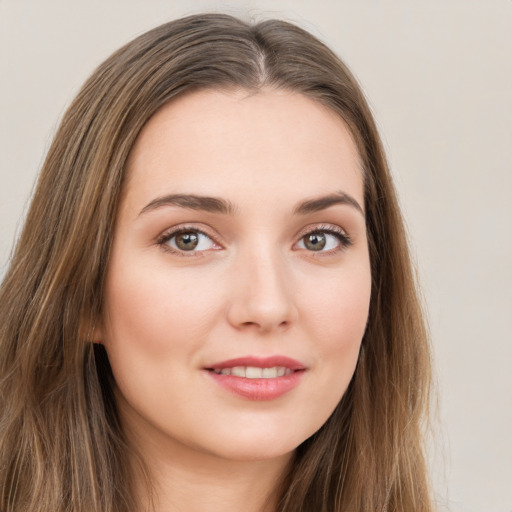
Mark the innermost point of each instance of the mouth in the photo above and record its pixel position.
(256, 378)
(254, 372)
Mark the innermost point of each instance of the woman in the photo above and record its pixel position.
(211, 305)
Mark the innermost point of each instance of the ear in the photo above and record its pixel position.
(92, 330)
(97, 335)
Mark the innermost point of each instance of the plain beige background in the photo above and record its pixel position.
(438, 75)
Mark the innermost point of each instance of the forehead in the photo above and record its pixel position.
(273, 143)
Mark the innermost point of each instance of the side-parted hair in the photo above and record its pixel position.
(62, 448)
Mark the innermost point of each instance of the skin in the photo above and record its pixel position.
(251, 288)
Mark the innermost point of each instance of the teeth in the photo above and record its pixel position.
(238, 371)
(254, 372)
(269, 373)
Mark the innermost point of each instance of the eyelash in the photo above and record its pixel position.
(329, 229)
(343, 238)
(169, 235)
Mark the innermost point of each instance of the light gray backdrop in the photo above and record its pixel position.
(439, 78)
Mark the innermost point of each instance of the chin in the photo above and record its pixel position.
(261, 444)
(255, 452)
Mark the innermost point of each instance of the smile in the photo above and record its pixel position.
(257, 378)
(254, 372)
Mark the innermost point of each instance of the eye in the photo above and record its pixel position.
(324, 240)
(187, 240)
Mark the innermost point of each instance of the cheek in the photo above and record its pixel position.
(338, 312)
(156, 312)
(335, 314)
(337, 317)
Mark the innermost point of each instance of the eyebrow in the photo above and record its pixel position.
(191, 202)
(222, 206)
(324, 202)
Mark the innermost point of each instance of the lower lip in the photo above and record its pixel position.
(258, 389)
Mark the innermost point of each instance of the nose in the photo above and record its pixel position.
(263, 298)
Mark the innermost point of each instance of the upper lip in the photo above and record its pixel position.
(259, 362)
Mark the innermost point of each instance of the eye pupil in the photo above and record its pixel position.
(315, 241)
(187, 241)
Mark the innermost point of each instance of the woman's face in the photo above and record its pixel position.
(238, 288)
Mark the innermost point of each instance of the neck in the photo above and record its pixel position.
(227, 486)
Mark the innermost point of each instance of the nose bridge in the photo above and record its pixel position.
(264, 297)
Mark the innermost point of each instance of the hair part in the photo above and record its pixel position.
(62, 447)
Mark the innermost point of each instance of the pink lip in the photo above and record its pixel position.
(258, 389)
(259, 362)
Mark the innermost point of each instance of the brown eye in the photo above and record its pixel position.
(326, 241)
(315, 241)
(192, 241)
(187, 241)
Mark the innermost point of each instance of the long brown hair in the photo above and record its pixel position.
(61, 444)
